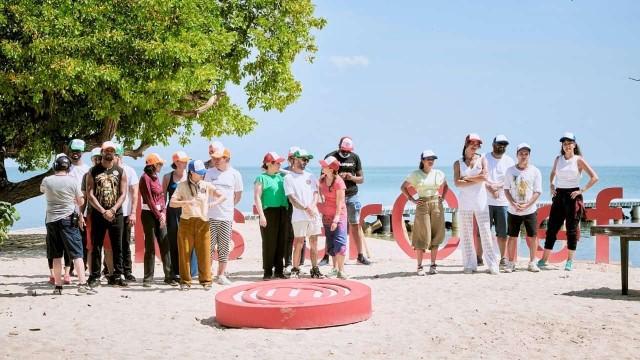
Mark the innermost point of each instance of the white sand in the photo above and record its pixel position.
(452, 315)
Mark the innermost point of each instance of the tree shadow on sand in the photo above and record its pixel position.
(605, 293)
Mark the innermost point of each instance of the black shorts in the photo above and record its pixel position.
(530, 224)
(63, 235)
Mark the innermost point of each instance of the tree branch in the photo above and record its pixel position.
(634, 79)
(136, 153)
(213, 100)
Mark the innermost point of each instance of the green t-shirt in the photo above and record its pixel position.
(272, 190)
(426, 184)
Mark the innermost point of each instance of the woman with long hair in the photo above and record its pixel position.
(193, 196)
(334, 214)
(154, 221)
(428, 227)
(272, 207)
(470, 174)
(170, 182)
(567, 204)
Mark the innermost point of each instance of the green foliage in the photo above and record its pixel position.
(69, 68)
(8, 216)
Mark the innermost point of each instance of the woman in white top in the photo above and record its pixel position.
(470, 174)
(567, 203)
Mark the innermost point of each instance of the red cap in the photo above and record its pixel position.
(330, 162)
(473, 137)
(272, 156)
(346, 144)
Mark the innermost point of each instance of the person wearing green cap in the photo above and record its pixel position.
(301, 187)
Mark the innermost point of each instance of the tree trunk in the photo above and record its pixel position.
(20, 191)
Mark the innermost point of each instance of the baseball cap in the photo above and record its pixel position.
(179, 156)
(77, 145)
(272, 156)
(153, 159)
(568, 136)
(473, 137)
(197, 166)
(292, 150)
(108, 144)
(302, 153)
(216, 149)
(96, 152)
(346, 144)
(330, 162)
(523, 146)
(500, 139)
(428, 154)
(119, 150)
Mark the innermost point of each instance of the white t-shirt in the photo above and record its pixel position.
(522, 184)
(302, 186)
(227, 182)
(497, 168)
(78, 171)
(132, 179)
(61, 192)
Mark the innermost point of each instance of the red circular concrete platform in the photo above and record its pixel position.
(294, 304)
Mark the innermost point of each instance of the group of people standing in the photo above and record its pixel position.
(189, 211)
(494, 190)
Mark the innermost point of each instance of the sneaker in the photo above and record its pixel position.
(111, 281)
(569, 265)
(480, 262)
(342, 275)
(503, 263)
(147, 284)
(93, 282)
(433, 269)
(287, 270)
(295, 273)
(420, 271)
(223, 280)
(493, 271)
(57, 290)
(171, 282)
(363, 260)
(543, 265)
(324, 261)
(467, 271)
(130, 278)
(533, 267)
(120, 282)
(183, 287)
(206, 287)
(507, 267)
(67, 279)
(85, 289)
(315, 273)
(333, 273)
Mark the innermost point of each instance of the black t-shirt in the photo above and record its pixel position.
(350, 164)
(106, 185)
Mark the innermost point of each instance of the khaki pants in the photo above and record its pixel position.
(428, 226)
(194, 233)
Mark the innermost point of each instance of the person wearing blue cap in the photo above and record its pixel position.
(567, 203)
(194, 197)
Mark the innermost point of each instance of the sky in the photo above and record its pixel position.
(402, 77)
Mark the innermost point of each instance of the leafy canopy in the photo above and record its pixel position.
(136, 69)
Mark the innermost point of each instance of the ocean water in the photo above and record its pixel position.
(382, 185)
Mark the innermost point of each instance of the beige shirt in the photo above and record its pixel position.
(203, 193)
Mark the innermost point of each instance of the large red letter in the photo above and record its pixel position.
(602, 213)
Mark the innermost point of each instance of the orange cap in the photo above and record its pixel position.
(153, 159)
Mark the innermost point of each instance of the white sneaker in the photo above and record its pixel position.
(223, 280)
(467, 271)
(333, 273)
(510, 267)
(420, 271)
(342, 275)
(493, 271)
(287, 270)
(533, 267)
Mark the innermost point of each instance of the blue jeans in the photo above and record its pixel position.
(498, 218)
(353, 209)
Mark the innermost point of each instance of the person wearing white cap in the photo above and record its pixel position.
(170, 181)
(272, 206)
(106, 190)
(470, 174)
(288, 246)
(567, 203)
(229, 182)
(301, 187)
(428, 228)
(522, 188)
(352, 174)
(497, 164)
(194, 197)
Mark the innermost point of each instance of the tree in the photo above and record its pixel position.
(140, 71)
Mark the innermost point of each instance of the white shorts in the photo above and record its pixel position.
(305, 228)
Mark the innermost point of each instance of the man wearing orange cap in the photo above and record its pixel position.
(229, 182)
(351, 172)
(106, 189)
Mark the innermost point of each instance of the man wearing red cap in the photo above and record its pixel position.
(351, 172)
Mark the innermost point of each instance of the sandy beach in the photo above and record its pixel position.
(551, 314)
